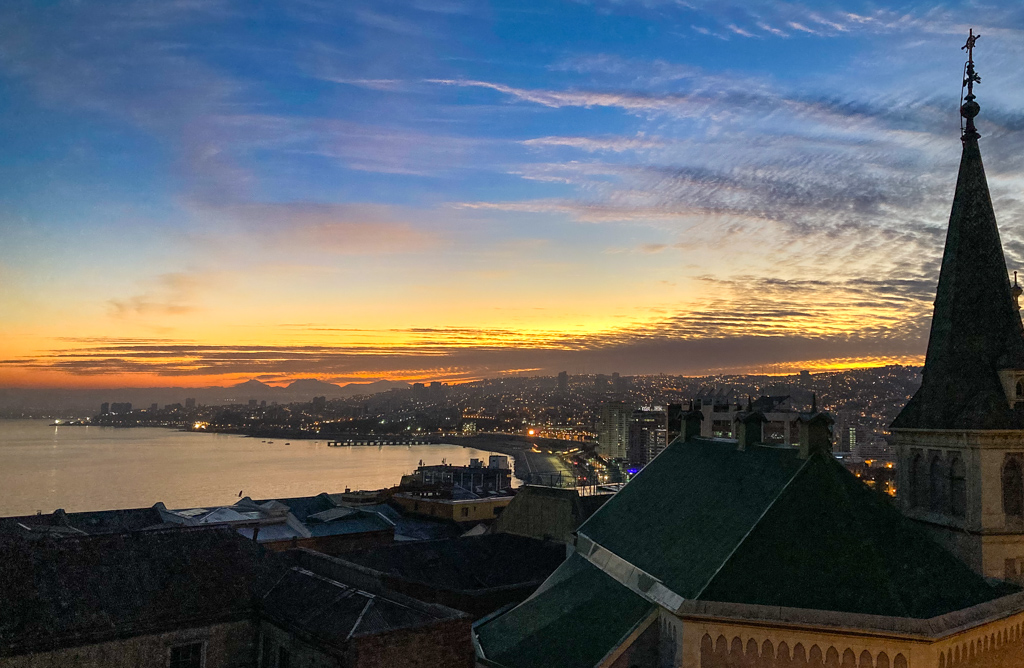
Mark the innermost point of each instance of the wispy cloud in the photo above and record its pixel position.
(170, 294)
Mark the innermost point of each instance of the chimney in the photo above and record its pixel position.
(748, 428)
(815, 434)
(691, 424)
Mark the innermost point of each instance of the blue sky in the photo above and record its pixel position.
(198, 191)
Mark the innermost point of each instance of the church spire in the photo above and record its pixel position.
(968, 107)
(976, 335)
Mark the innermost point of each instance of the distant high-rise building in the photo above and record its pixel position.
(319, 403)
(154, 407)
(601, 382)
(121, 408)
(105, 408)
(252, 403)
(563, 382)
(190, 403)
(648, 435)
(613, 429)
(419, 392)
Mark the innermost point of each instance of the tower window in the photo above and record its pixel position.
(919, 482)
(937, 500)
(1013, 489)
(957, 488)
(1020, 390)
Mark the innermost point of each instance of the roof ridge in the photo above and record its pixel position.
(768, 507)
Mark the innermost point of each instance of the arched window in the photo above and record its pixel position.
(1020, 390)
(937, 502)
(1013, 489)
(957, 488)
(922, 486)
(915, 481)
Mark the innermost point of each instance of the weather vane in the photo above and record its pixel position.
(968, 107)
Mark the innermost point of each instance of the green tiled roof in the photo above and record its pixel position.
(686, 512)
(976, 329)
(757, 527)
(831, 543)
(572, 621)
(763, 526)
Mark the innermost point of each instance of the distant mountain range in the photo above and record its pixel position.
(304, 389)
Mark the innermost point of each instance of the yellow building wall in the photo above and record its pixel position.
(477, 510)
(998, 644)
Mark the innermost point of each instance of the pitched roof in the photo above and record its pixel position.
(976, 328)
(577, 616)
(91, 522)
(69, 591)
(65, 591)
(682, 516)
(763, 526)
(467, 564)
(831, 543)
(332, 612)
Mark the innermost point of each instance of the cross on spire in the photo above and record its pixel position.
(969, 108)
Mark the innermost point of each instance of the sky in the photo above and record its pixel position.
(200, 192)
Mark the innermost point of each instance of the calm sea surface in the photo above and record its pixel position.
(97, 468)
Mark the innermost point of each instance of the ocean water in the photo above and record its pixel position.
(97, 468)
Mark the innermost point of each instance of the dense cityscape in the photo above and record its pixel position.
(562, 407)
(614, 423)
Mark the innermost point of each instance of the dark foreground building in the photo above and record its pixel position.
(204, 598)
(474, 574)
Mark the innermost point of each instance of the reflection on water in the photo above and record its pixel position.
(97, 468)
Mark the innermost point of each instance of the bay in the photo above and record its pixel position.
(43, 467)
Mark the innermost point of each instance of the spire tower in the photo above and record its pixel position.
(976, 333)
(960, 439)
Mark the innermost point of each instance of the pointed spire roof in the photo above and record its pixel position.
(976, 327)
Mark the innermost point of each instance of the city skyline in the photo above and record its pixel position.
(197, 194)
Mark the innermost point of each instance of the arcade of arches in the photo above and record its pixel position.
(994, 646)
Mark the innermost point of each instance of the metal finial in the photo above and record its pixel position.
(968, 107)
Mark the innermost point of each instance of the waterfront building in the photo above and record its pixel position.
(325, 522)
(462, 508)
(477, 478)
